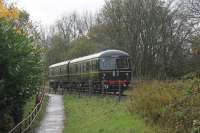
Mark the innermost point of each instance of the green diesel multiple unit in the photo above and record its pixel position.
(104, 71)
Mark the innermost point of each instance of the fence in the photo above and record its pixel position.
(89, 89)
(26, 124)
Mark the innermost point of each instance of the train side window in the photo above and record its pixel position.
(56, 73)
(79, 66)
(97, 64)
(52, 71)
(93, 65)
(76, 68)
(90, 66)
(71, 68)
(84, 67)
(66, 69)
(86, 64)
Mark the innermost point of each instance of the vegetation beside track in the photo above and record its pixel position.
(172, 106)
(100, 115)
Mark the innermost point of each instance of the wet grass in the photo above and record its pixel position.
(100, 115)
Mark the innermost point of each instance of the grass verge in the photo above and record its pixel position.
(100, 115)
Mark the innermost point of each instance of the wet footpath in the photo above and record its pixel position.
(53, 121)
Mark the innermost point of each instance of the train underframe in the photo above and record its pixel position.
(104, 86)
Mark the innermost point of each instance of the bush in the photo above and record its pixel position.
(172, 105)
(149, 99)
(6, 122)
(20, 71)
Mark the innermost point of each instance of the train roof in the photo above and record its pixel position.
(107, 53)
(59, 64)
(112, 53)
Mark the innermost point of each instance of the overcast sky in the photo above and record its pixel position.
(47, 11)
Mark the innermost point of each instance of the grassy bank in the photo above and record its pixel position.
(100, 115)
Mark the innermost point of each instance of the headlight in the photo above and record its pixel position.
(104, 75)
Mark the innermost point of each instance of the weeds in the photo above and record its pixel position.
(174, 106)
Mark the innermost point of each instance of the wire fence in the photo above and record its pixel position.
(25, 124)
(90, 89)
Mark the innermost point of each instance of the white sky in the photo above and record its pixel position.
(47, 11)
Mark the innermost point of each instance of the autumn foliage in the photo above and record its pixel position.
(10, 12)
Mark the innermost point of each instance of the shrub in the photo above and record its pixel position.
(20, 71)
(149, 99)
(172, 105)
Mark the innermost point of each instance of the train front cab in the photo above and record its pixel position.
(115, 73)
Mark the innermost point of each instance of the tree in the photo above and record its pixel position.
(20, 66)
(153, 32)
(56, 51)
(67, 31)
(8, 12)
(81, 47)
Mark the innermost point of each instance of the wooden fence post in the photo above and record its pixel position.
(20, 128)
(29, 119)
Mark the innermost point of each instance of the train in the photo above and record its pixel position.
(105, 71)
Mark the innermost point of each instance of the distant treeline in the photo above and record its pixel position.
(162, 37)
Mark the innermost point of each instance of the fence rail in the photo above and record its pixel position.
(26, 123)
